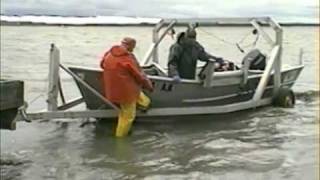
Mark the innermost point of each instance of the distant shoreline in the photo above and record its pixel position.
(7, 23)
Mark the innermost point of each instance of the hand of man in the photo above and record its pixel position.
(176, 78)
(219, 59)
(149, 86)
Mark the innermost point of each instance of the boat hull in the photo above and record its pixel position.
(227, 94)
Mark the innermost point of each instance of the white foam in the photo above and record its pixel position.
(229, 144)
(80, 20)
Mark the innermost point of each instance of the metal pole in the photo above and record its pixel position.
(61, 92)
(263, 33)
(266, 74)
(300, 56)
(278, 63)
(220, 21)
(245, 69)
(154, 45)
(155, 38)
(53, 79)
(86, 85)
(277, 66)
(207, 83)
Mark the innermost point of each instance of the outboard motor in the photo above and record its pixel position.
(256, 60)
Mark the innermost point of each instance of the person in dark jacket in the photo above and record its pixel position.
(184, 54)
(175, 54)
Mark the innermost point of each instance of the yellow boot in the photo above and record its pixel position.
(125, 118)
(127, 114)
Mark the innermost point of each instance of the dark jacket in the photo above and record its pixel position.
(183, 56)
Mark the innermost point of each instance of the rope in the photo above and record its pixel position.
(244, 37)
(34, 99)
(220, 39)
(232, 43)
(252, 44)
(43, 89)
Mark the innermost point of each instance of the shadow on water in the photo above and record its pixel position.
(12, 166)
(251, 140)
(192, 143)
(191, 123)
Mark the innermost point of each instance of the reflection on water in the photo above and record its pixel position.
(263, 143)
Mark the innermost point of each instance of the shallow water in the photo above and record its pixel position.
(266, 143)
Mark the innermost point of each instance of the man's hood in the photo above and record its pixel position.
(189, 42)
(119, 51)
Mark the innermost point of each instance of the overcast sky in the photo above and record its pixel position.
(294, 10)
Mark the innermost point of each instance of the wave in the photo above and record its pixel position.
(71, 20)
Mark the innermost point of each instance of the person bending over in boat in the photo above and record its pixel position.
(123, 83)
(184, 54)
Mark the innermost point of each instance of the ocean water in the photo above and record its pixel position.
(265, 143)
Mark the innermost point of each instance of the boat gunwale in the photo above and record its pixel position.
(224, 74)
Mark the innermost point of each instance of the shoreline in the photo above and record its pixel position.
(7, 23)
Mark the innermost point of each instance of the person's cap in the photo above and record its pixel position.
(191, 33)
(128, 41)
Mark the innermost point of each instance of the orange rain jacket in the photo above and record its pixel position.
(122, 76)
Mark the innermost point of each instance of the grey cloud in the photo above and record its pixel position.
(159, 8)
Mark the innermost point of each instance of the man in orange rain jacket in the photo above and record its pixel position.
(123, 83)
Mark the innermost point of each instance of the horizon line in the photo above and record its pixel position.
(131, 23)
